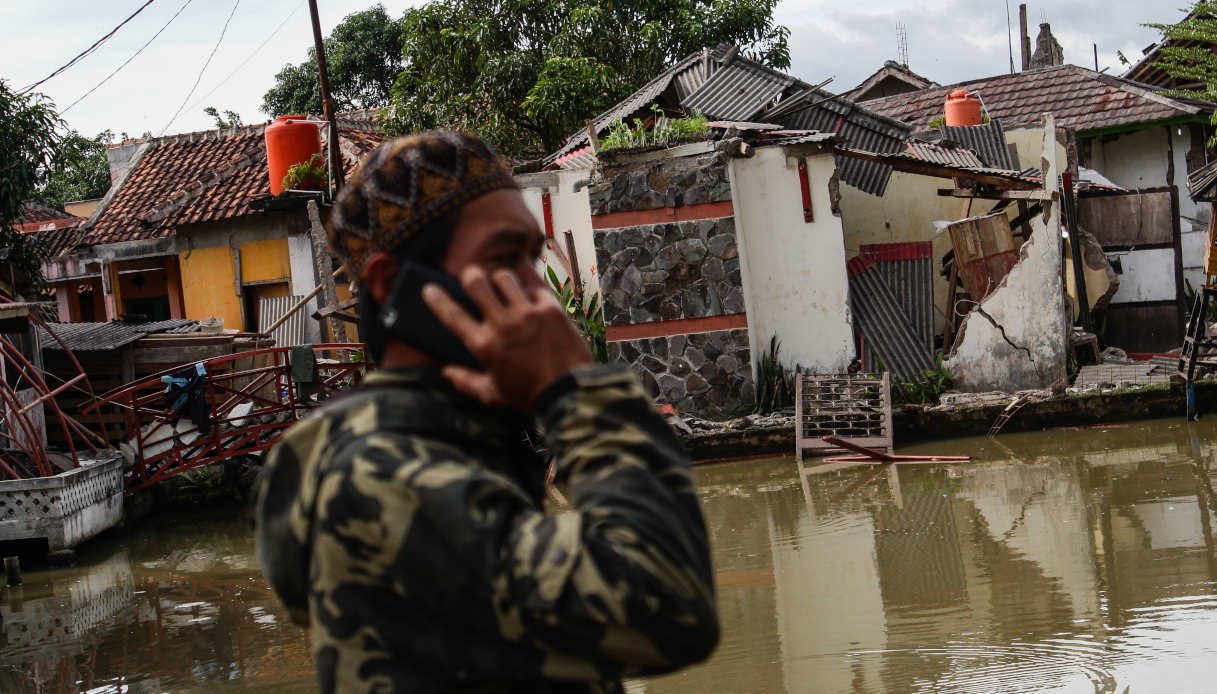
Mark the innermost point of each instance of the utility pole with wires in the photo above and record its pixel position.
(327, 104)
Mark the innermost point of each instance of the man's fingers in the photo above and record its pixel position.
(473, 383)
(509, 288)
(478, 286)
(451, 314)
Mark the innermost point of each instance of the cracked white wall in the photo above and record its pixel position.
(1017, 337)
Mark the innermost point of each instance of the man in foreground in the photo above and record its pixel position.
(403, 522)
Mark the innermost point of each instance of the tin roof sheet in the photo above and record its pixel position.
(738, 91)
(988, 141)
(723, 85)
(884, 321)
(99, 337)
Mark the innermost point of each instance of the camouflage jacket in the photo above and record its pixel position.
(404, 525)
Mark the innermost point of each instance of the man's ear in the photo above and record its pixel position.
(379, 271)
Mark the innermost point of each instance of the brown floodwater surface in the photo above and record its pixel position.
(1077, 560)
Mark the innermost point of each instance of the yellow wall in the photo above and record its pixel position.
(1030, 143)
(265, 260)
(208, 286)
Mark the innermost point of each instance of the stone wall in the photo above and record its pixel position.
(669, 271)
(709, 374)
(662, 183)
(653, 272)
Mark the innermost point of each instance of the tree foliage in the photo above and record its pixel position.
(363, 57)
(27, 145)
(525, 74)
(225, 119)
(78, 170)
(1186, 52)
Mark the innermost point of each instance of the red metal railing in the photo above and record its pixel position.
(23, 437)
(163, 448)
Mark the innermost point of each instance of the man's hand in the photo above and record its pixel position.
(526, 341)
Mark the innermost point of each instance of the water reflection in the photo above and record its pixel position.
(177, 607)
(1068, 561)
(1079, 561)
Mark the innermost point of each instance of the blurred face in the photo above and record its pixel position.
(496, 231)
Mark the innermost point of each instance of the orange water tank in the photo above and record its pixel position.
(963, 108)
(290, 140)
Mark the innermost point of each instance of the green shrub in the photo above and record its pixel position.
(666, 132)
(775, 383)
(588, 316)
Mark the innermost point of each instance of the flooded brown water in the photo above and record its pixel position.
(1063, 561)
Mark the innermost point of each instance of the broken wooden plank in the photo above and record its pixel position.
(999, 194)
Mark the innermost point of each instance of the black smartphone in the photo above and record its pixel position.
(407, 317)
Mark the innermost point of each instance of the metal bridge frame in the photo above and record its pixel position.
(32, 441)
(143, 404)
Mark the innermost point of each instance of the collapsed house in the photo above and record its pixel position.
(905, 192)
(1136, 144)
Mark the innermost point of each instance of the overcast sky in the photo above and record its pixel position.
(948, 41)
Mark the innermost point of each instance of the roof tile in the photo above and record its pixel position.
(1079, 98)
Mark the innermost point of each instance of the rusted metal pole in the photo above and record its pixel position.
(327, 103)
(1024, 38)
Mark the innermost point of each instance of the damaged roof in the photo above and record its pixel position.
(1078, 98)
(99, 337)
(987, 141)
(205, 176)
(724, 85)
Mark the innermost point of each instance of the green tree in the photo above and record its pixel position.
(227, 119)
(27, 145)
(363, 57)
(525, 74)
(1187, 53)
(78, 170)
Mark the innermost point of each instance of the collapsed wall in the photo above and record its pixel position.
(1016, 338)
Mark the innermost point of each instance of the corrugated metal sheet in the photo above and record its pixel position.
(97, 337)
(294, 330)
(872, 135)
(937, 154)
(1200, 183)
(908, 269)
(988, 141)
(738, 91)
(890, 335)
(627, 107)
(693, 76)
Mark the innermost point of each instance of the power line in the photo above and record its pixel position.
(198, 79)
(90, 49)
(128, 60)
(250, 56)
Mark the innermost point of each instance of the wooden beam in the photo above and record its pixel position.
(332, 313)
(925, 168)
(999, 194)
(321, 261)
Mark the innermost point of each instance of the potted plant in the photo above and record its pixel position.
(307, 175)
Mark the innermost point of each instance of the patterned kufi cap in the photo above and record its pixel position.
(407, 183)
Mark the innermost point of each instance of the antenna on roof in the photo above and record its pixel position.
(902, 44)
(1010, 36)
(1043, 16)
